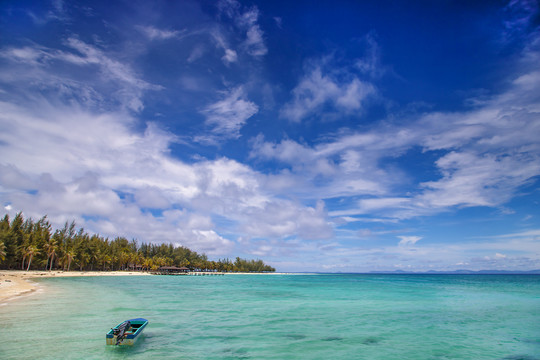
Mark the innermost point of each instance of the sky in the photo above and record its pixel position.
(326, 136)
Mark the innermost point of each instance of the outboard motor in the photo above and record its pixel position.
(120, 331)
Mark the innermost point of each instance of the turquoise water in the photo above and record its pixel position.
(280, 317)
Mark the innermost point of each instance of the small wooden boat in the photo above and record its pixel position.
(127, 332)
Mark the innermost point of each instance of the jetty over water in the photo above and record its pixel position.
(173, 270)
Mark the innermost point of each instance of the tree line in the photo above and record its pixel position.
(27, 244)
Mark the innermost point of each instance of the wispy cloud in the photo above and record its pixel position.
(317, 89)
(409, 240)
(520, 17)
(227, 116)
(370, 63)
(230, 56)
(484, 154)
(254, 43)
(58, 11)
(154, 33)
(46, 71)
(247, 21)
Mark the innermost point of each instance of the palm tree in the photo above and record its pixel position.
(23, 251)
(70, 254)
(30, 252)
(2, 251)
(53, 253)
(83, 260)
(106, 260)
(123, 258)
(147, 264)
(95, 258)
(50, 247)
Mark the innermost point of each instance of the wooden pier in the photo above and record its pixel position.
(184, 271)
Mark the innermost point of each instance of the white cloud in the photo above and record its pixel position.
(230, 56)
(57, 12)
(370, 64)
(317, 89)
(151, 197)
(478, 180)
(246, 21)
(531, 234)
(409, 240)
(342, 168)
(282, 218)
(212, 243)
(44, 68)
(154, 33)
(196, 53)
(484, 155)
(254, 41)
(73, 164)
(227, 116)
(374, 204)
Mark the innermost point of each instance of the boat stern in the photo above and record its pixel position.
(130, 336)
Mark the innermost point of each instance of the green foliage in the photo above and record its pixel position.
(251, 266)
(28, 245)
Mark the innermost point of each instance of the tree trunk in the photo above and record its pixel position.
(29, 263)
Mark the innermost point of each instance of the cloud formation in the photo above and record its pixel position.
(317, 89)
(484, 154)
(93, 168)
(246, 20)
(47, 69)
(154, 33)
(227, 116)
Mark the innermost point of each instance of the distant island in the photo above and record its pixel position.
(33, 245)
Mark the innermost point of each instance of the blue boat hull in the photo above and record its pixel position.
(131, 337)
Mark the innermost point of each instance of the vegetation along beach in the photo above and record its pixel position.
(270, 179)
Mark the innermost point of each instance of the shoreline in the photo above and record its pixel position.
(17, 283)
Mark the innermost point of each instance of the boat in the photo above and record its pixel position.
(127, 332)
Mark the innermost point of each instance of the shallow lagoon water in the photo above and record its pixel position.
(280, 317)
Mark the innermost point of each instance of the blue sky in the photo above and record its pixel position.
(318, 136)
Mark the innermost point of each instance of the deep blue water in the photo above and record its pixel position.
(280, 317)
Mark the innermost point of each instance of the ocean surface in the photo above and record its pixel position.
(280, 317)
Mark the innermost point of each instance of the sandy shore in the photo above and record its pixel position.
(14, 283)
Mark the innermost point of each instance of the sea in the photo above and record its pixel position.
(312, 316)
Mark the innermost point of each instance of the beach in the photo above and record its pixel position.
(16, 283)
